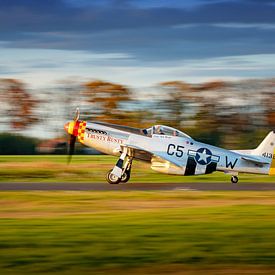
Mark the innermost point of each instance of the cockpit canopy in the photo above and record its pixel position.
(164, 130)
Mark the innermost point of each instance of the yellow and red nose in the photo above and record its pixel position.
(76, 128)
(72, 127)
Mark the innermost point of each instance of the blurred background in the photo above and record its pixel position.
(205, 67)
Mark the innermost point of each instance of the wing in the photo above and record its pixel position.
(145, 146)
(140, 154)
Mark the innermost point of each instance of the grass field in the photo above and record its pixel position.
(93, 169)
(137, 232)
(133, 232)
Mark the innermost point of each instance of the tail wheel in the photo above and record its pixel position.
(112, 179)
(126, 176)
(234, 179)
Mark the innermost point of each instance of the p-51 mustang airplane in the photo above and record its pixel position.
(169, 151)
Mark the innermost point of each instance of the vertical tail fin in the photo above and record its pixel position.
(267, 146)
(267, 149)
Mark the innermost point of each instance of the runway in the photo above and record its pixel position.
(196, 186)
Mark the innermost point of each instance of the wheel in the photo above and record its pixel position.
(111, 178)
(234, 179)
(126, 176)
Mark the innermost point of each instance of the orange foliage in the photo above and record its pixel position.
(108, 94)
(212, 85)
(271, 118)
(177, 84)
(20, 102)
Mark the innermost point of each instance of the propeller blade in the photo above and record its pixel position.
(76, 117)
(71, 147)
(72, 134)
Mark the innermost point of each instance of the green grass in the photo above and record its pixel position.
(137, 232)
(71, 232)
(93, 169)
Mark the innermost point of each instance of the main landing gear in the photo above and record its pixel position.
(122, 170)
(113, 179)
(234, 179)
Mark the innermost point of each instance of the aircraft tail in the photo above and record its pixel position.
(267, 149)
(267, 146)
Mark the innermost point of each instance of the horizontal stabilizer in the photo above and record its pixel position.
(255, 159)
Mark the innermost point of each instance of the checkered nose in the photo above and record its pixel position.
(72, 127)
(76, 128)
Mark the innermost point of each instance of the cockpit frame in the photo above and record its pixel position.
(164, 130)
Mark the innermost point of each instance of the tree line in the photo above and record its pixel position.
(234, 114)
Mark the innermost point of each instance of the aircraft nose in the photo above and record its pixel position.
(66, 126)
(70, 128)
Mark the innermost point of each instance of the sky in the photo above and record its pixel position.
(136, 42)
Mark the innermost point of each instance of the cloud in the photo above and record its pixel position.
(57, 15)
(40, 67)
(156, 44)
(263, 26)
(128, 39)
(135, 28)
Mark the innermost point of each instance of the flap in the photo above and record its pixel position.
(160, 154)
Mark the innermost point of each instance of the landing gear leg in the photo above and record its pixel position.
(127, 170)
(122, 170)
(234, 179)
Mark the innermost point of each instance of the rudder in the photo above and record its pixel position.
(267, 146)
(267, 149)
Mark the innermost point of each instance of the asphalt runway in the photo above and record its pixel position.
(196, 186)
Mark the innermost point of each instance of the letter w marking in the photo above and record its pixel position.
(229, 163)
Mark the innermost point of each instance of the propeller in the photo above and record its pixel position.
(71, 148)
(71, 128)
(76, 116)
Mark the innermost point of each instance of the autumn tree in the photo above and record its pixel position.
(174, 101)
(107, 101)
(188, 107)
(17, 109)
